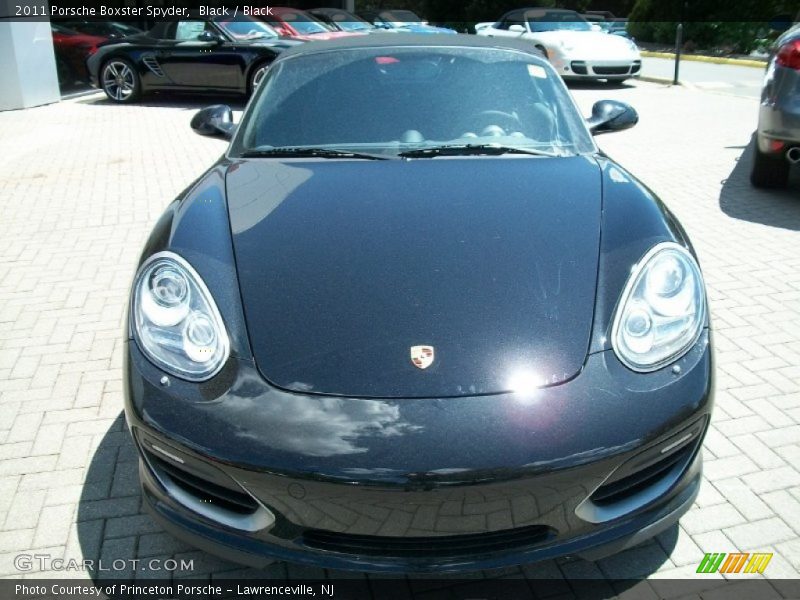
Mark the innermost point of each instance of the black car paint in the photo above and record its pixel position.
(410, 467)
(417, 252)
(298, 451)
(165, 65)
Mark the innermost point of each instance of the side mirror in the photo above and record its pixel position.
(517, 29)
(210, 37)
(611, 115)
(214, 121)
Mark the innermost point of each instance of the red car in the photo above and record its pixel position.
(299, 25)
(72, 49)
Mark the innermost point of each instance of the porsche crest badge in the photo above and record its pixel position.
(422, 356)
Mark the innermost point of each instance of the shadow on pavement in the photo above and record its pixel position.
(776, 208)
(123, 542)
(599, 85)
(185, 101)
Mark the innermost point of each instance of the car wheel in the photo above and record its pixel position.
(769, 170)
(256, 76)
(120, 81)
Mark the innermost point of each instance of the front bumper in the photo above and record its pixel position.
(576, 68)
(588, 467)
(779, 113)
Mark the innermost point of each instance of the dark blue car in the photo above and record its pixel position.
(414, 320)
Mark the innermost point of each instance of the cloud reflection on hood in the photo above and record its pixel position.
(318, 425)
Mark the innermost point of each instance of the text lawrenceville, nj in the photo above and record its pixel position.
(162, 590)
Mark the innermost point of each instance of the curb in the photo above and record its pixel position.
(719, 60)
(661, 80)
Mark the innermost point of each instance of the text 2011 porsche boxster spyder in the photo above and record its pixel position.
(414, 320)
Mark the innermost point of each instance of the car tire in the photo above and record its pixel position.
(120, 81)
(256, 75)
(769, 171)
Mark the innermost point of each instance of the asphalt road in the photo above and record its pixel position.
(727, 79)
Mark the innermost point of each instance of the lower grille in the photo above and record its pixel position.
(627, 486)
(420, 547)
(611, 70)
(205, 491)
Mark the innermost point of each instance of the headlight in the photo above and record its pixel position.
(175, 319)
(662, 309)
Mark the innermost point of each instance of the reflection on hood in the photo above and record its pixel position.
(321, 426)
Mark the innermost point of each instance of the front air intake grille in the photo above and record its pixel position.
(626, 487)
(203, 490)
(420, 547)
(611, 70)
(579, 67)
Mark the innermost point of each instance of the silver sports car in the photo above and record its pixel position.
(778, 138)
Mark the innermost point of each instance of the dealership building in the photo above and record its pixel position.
(28, 73)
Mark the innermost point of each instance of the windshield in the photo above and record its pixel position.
(561, 20)
(350, 22)
(401, 17)
(245, 28)
(391, 101)
(303, 24)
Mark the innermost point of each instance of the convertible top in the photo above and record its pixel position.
(410, 40)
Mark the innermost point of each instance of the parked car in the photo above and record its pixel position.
(222, 54)
(570, 43)
(103, 29)
(778, 136)
(618, 27)
(341, 20)
(414, 283)
(404, 21)
(300, 25)
(71, 50)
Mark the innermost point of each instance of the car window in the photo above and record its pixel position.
(349, 22)
(512, 19)
(247, 29)
(384, 99)
(400, 17)
(556, 20)
(189, 30)
(303, 23)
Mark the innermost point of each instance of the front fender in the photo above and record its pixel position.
(196, 227)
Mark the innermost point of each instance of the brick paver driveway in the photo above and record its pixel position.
(82, 182)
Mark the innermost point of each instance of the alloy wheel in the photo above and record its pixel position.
(119, 80)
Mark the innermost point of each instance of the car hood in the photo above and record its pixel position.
(596, 45)
(327, 35)
(420, 28)
(345, 265)
(284, 43)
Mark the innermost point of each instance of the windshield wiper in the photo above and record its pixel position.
(472, 150)
(311, 153)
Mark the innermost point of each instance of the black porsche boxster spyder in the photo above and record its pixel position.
(414, 320)
(219, 55)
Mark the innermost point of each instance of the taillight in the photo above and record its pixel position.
(789, 55)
